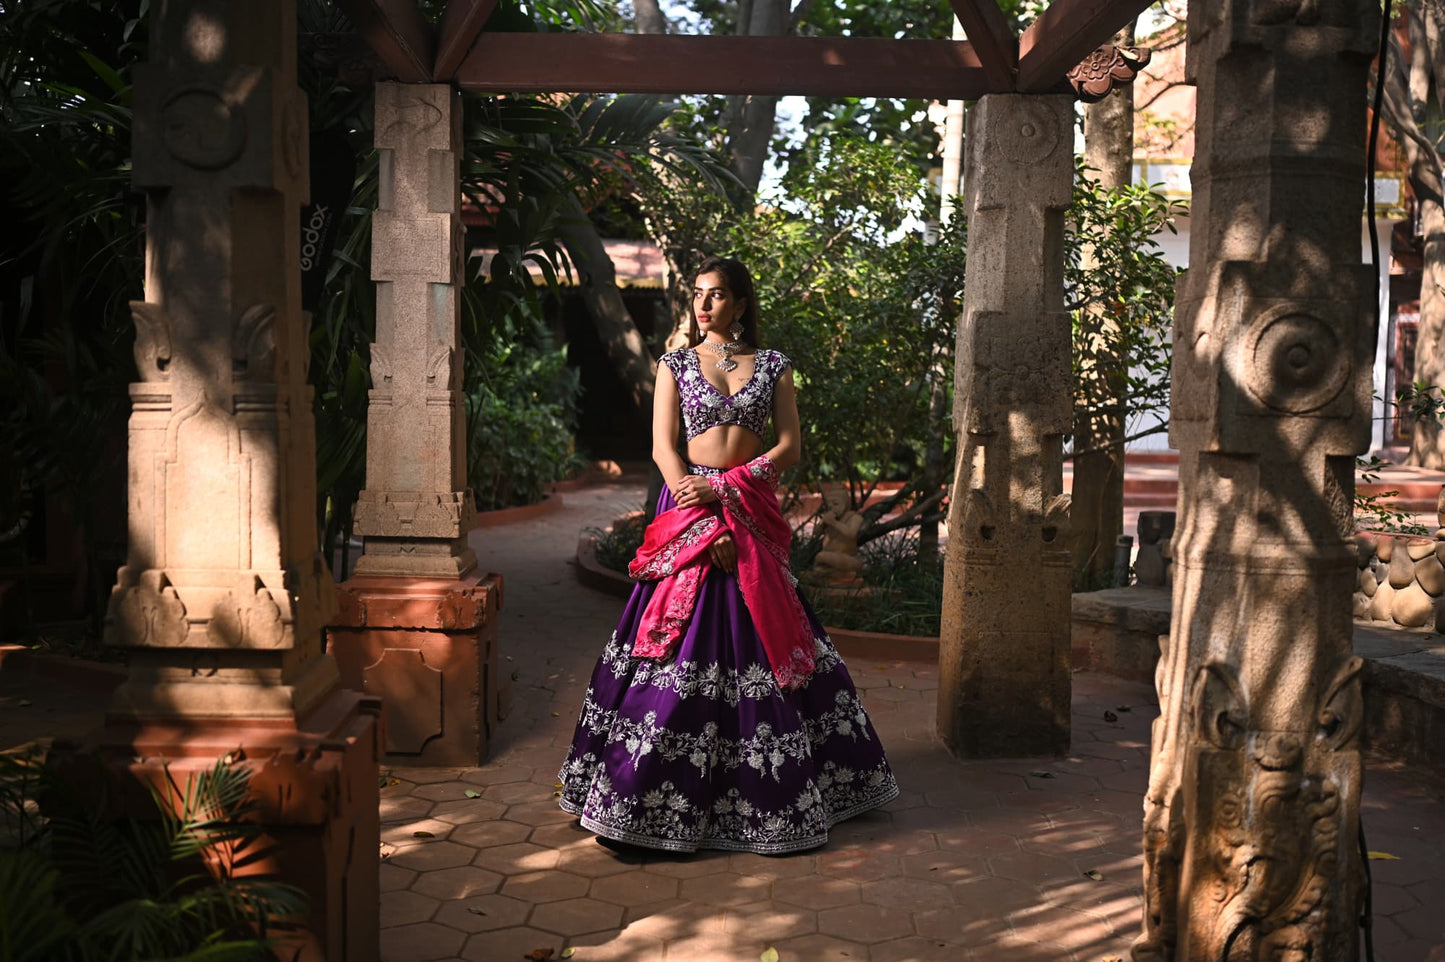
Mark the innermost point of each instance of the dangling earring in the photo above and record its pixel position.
(736, 329)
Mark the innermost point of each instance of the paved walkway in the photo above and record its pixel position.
(976, 860)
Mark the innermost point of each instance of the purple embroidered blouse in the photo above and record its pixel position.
(704, 406)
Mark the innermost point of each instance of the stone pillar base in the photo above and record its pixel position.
(429, 650)
(315, 785)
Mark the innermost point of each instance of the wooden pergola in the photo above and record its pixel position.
(461, 52)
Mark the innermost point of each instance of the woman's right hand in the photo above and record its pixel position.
(692, 491)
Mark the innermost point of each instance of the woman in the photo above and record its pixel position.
(720, 715)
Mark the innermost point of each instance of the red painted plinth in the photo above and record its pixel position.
(315, 786)
(429, 650)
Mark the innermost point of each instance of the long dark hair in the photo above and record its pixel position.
(740, 284)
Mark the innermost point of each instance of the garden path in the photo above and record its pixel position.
(977, 860)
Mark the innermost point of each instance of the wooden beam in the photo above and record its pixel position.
(992, 38)
(398, 33)
(1066, 33)
(638, 63)
(461, 23)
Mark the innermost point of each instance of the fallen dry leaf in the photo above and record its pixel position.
(1094, 874)
(422, 835)
(567, 953)
(1123, 708)
(1110, 716)
(1040, 773)
(540, 955)
(770, 954)
(472, 793)
(1384, 857)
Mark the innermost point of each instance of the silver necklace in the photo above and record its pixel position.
(724, 352)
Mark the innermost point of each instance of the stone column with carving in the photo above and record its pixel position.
(416, 509)
(1252, 808)
(417, 623)
(223, 596)
(1005, 643)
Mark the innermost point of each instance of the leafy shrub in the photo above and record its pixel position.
(901, 591)
(80, 885)
(616, 546)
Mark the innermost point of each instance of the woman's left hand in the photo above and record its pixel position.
(724, 553)
(693, 491)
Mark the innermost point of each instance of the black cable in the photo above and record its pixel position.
(1367, 907)
(1367, 911)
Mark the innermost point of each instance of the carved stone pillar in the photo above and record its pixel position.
(418, 622)
(223, 596)
(1005, 641)
(416, 509)
(1253, 801)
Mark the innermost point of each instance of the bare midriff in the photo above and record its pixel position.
(724, 446)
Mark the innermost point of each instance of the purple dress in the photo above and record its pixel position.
(702, 749)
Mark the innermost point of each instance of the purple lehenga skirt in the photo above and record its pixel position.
(702, 749)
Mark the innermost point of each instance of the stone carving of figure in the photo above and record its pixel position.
(841, 525)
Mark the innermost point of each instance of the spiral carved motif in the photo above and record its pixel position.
(1296, 364)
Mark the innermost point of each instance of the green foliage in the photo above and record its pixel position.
(617, 545)
(81, 885)
(857, 307)
(520, 410)
(1121, 296)
(900, 595)
(70, 263)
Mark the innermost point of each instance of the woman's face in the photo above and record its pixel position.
(713, 303)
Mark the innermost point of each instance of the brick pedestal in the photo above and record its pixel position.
(428, 648)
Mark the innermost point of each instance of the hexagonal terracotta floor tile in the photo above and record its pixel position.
(915, 895)
(517, 859)
(1031, 867)
(482, 913)
(725, 888)
(820, 893)
(399, 833)
(560, 835)
(820, 948)
(597, 861)
(489, 834)
(544, 812)
(421, 942)
(865, 923)
(686, 866)
(915, 948)
(545, 886)
(622, 946)
(947, 866)
(505, 944)
(495, 774)
(464, 811)
(397, 808)
(461, 882)
(675, 919)
(576, 916)
(404, 908)
(394, 878)
(857, 864)
(427, 776)
(634, 888)
(424, 856)
(769, 867)
(770, 921)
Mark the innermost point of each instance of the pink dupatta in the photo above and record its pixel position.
(674, 554)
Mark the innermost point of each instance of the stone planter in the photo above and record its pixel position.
(1401, 579)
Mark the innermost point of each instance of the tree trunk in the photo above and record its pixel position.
(647, 17)
(597, 280)
(1097, 515)
(750, 126)
(1427, 439)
